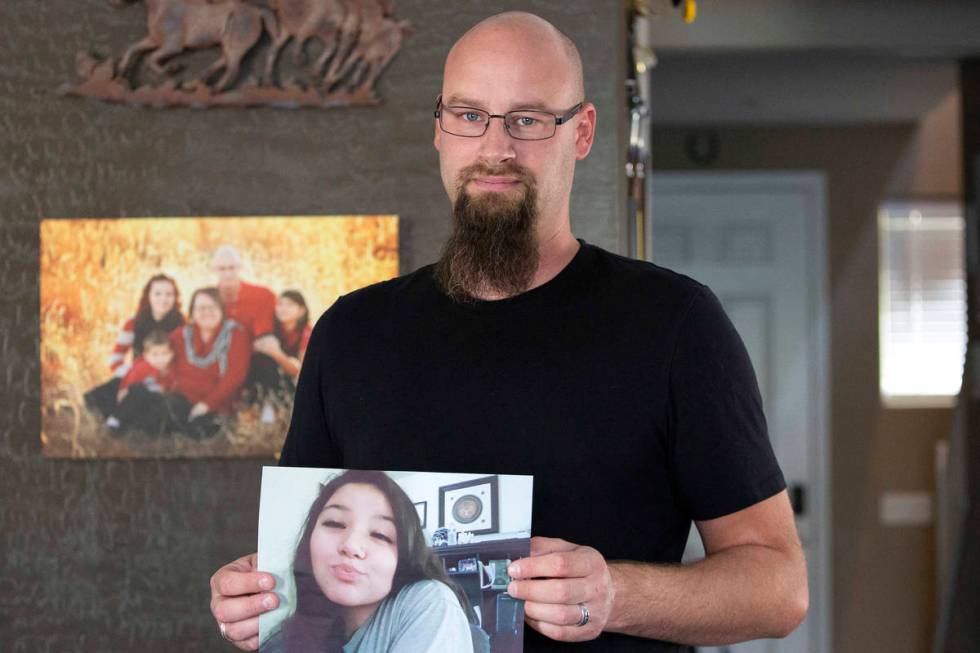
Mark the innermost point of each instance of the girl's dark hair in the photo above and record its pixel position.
(277, 327)
(213, 293)
(316, 623)
(144, 323)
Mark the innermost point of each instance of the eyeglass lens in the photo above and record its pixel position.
(523, 125)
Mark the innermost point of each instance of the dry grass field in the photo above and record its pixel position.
(92, 273)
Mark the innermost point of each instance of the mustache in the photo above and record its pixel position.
(471, 172)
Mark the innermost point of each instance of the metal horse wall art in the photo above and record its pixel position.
(357, 39)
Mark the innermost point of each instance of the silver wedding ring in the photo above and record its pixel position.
(223, 629)
(585, 615)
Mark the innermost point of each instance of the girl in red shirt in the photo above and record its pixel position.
(276, 363)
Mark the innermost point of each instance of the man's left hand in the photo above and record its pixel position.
(555, 582)
(198, 409)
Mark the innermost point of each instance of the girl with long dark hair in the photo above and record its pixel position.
(158, 310)
(365, 580)
(276, 364)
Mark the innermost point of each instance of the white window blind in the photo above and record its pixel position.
(922, 302)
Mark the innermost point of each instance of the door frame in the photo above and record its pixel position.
(813, 184)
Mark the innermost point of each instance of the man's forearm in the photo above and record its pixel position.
(740, 593)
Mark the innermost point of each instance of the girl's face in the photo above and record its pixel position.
(354, 550)
(206, 313)
(161, 297)
(288, 311)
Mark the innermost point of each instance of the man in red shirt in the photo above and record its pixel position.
(250, 305)
(253, 307)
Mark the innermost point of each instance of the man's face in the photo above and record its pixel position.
(500, 70)
(228, 272)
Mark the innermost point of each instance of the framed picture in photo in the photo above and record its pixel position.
(470, 506)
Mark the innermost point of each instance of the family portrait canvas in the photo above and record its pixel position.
(367, 562)
(184, 337)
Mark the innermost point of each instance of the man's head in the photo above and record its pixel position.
(509, 194)
(226, 263)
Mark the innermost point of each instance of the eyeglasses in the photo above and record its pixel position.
(523, 124)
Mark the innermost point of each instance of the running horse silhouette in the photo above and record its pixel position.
(357, 37)
(303, 20)
(177, 25)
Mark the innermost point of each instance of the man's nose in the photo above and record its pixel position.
(496, 145)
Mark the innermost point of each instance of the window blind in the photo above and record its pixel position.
(922, 301)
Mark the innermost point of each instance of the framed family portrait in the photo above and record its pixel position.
(184, 337)
(358, 569)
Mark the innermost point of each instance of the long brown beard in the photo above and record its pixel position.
(493, 246)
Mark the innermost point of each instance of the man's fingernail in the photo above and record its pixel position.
(268, 602)
(511, 588)
(265, 583)
(514, 571)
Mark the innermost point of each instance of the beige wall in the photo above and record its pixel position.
(883, 577)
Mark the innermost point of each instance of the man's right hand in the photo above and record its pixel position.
(239, 594)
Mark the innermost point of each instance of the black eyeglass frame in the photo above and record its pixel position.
(559, 120)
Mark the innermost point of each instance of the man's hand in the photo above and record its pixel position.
(239, 594)
(200, 408)
(555, 582)
(268, 345)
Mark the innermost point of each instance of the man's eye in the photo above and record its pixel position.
(526, 121)
(472, 116)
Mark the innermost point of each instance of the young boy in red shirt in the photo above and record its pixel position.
(154, 371)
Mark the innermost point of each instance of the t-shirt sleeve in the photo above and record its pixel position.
(265, 310)
(431, 621)
(721, 457)
(309, 442)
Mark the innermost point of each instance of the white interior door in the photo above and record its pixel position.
(758, 241)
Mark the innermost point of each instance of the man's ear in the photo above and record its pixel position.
(437, 137)
(585, 130)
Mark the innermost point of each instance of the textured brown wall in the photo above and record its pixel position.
(883, 578)
(116, 555)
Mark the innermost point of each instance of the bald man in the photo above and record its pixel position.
(622, 387)
(250, 305)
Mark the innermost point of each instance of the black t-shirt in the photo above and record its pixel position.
(621, 386)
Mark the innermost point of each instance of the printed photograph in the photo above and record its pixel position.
(184, 337)
(366, 561)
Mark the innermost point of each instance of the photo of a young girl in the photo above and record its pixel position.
(365, 580)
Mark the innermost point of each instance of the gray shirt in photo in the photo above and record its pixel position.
(424, 617)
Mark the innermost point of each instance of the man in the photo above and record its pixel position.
(250, 305)
(621, 386)
(253, 307)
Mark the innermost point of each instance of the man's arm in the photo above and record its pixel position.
(751, 584)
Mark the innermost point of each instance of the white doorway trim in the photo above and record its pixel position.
(811, 184)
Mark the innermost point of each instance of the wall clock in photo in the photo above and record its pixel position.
(470, 506)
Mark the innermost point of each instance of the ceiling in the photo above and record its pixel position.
(808, 61)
